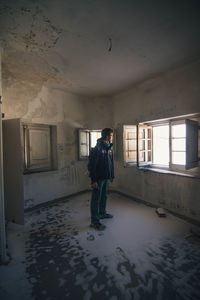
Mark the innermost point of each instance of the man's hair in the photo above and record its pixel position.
(106, 132)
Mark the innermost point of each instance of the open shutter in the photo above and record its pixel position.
(191, 144)
(130, 143)
(84, 140)
(145, 145)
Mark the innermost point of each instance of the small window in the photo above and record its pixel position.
(39, 148)
(86, 140)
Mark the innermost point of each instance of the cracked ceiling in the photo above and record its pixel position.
(96, 48)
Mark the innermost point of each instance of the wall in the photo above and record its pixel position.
(39, 103)
(99, 115)
(48, 106)
(98, 112)
(171, 94)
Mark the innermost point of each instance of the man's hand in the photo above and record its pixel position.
(94, 185)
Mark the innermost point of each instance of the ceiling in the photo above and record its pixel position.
(96, 47)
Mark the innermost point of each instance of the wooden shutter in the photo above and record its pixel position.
(191, 144)
(145, 145)
(37, 147)
(130, 143)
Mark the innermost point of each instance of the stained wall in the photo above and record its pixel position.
(36, 102)
(52, 107)
(171, 94)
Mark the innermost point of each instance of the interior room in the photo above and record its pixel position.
(69, 69)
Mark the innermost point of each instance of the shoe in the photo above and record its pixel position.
(106, 216)
(98, 226)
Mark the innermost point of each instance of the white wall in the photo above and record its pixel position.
(171, 94)
(66, 111)
(40, 104)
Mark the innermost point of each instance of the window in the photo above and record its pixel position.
(172, 144)
(87, 139)
(39, 147)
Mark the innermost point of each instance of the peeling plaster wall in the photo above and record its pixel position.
(66, 111)
(173, 93)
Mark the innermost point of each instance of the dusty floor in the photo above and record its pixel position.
(56, 255)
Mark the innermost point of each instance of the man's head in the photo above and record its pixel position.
(107, 134)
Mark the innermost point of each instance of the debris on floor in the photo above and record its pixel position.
(161, 212)
(56, 255)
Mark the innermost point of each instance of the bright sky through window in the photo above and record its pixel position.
(161, 145)
(94, 136)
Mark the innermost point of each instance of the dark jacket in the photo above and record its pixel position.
(101, 164)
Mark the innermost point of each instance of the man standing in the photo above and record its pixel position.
(101, 171)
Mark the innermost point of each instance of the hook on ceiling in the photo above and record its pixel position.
(110, 44)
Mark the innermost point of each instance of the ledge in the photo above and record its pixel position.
(169, 172)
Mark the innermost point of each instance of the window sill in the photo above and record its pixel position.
(130, 164)
(29, 172)
(162, 170)
(165, 171)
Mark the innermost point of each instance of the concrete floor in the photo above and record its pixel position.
(56, 255)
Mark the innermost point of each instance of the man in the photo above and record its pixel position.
(101, 170)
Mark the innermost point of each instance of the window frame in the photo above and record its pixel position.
(171, 167)
(83, 157)
(88, 143)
